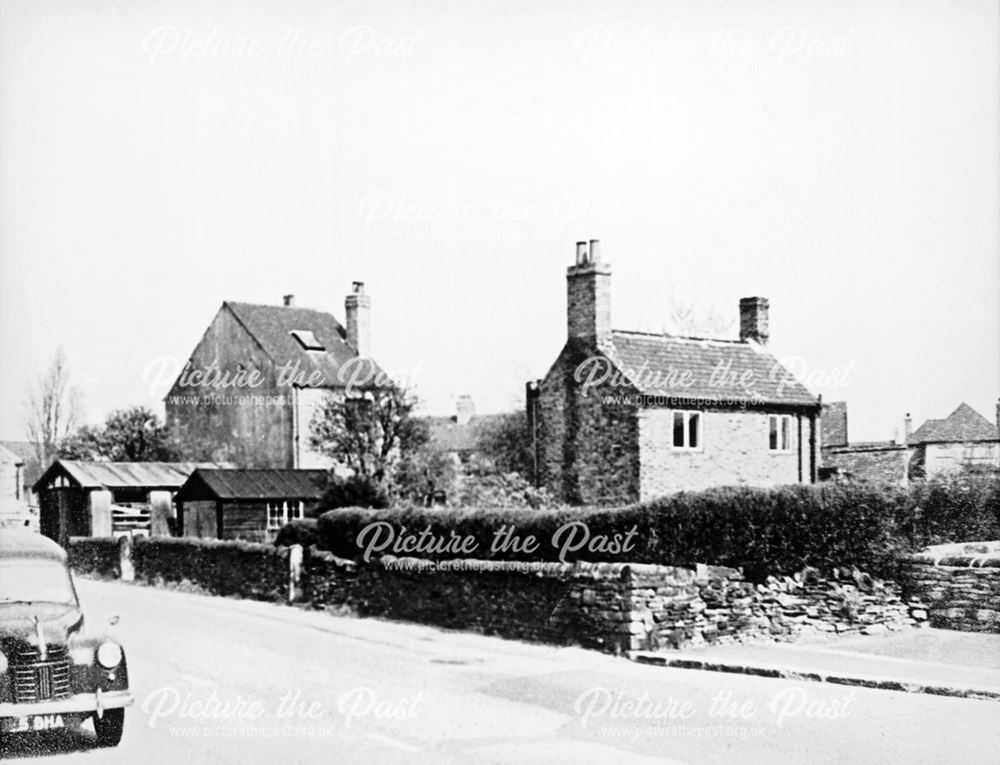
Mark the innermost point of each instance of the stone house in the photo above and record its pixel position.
(627, 416)
(963, 439)
(249, 391)
(877, 461)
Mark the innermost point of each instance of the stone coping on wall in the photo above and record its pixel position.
(959, 555)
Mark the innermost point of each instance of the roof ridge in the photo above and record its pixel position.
(668, 336)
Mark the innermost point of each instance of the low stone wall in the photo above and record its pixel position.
(614, 607)
(960, 585)
(96, 556)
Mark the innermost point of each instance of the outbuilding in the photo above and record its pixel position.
(248, 504)
(97, 499)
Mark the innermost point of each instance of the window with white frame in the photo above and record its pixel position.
(274, 517)
(779, 428)
(687, 430)
(280, 513)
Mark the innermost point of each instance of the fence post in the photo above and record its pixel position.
(125, 557)
(294, 573)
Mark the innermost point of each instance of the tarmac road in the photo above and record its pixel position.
(220, 680)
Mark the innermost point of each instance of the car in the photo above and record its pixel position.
(55, 672)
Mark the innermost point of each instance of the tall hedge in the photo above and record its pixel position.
(765, 531)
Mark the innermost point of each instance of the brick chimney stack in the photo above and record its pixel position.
(588, 295)
(357, 306)
(754, 324)
(288, 300)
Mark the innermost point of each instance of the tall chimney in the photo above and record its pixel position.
(357, 306)
(588, 295)
(908, 426)
(754, 320)
(465, 410)
(288, 300)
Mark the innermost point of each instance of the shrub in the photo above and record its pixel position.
(244, 569)
(953, 507)
(297, 533)
(764, 531)
(352, 491)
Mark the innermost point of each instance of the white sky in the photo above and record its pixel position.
(840, 158)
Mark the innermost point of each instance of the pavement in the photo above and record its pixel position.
(934, 661)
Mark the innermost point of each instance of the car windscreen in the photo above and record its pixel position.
(28, 580)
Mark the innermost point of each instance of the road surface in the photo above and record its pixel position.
(219, 680)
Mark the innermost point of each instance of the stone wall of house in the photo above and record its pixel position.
(960, 585)
(588, 449)
(883, 463)
(734, 451)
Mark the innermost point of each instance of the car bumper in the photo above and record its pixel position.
(81, 703)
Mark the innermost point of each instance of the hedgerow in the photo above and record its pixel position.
(764, 531)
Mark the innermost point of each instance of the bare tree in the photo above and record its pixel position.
(53, 408)
(692, 320)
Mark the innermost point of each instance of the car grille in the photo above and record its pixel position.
(37, 679)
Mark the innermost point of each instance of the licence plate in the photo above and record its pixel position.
(30, 723)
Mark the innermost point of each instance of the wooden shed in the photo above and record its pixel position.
(85, 498)
(246, 504)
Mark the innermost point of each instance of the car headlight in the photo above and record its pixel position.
(109, 655)
(3, 662)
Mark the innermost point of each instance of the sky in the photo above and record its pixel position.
(841, 159)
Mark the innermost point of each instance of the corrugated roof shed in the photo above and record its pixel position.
(121, 475)
(254, 484)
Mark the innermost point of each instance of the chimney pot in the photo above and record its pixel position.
(754, 319)
(581, 253)
(595, 250)
(288, 300)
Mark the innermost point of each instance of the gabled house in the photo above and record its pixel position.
(627, 416)
(962, 439)
(248, 392)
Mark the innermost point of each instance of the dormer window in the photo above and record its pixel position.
(307, 340)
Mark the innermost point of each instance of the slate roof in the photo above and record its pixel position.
(22, 449)
(272, 325)
(213, 483)
(652, 362)
(963, 425)
(120, 475)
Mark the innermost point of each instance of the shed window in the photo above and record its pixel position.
(779, 432)
(687, 430)
(307, 339)
(280, 513)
